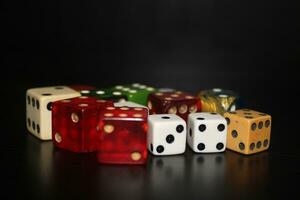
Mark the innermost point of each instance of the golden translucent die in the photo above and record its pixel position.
(248, 131)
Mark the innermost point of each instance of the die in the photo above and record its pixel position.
(173, 103)
(38, 108)
(219, 100)
(135, 92)
(207, 132)
(106, 94)
(166, 134)
(75, 121)
(123, 135)
(249, 131)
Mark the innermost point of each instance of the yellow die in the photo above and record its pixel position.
(248, 131)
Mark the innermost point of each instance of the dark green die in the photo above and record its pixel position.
(135, 92)
(106, 94)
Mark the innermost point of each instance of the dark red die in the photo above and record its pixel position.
(75, 121)
(179, 103)
(123, 135)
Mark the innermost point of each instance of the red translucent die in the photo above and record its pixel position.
(74, 123)
(179, 103)
(123, 135)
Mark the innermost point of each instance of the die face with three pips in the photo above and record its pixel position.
(75, 121)
(249, 131)
(179, 103)
(123, 135)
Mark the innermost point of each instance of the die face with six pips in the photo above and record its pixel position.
(249, 131)
(123, 135)
(179, 103)
(75, 121)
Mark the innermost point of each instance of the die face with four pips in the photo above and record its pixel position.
(166, 134)
(179, 103)
(75, 121)
(39, 105)
(207, 132)
(249, 131)
(123, 135)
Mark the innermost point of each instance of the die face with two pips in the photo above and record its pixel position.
(166, 134)
(123, 135)
(207, 132)
(249, 131)
(75, 121)
(179, 103)
(39, 105)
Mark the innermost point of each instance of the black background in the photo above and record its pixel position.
(251, 47)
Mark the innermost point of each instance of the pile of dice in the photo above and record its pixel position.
(122, 123)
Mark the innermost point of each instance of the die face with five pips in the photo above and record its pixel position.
(123, 135)
(249, 131)
(75, 121)
(179, 103)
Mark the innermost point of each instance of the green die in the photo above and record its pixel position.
(135, 92)
(107, 94)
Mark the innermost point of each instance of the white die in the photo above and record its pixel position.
(207, 132)
(166, 134)
(38, 108)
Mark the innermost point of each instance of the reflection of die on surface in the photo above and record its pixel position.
(207, 132)
(219, 100)
(123, 135)
(179, 103)
(74, 123)
(209, 168)
(166, 134)
(135, 92)
(166, 171)
(252, 170)
(39, 105)
(248, 131)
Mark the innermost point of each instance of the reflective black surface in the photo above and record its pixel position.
(246, 46)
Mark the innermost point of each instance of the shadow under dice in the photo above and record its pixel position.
(207, 132)
(123, 135)
(135, 92)
(178, 103)
(75, 121)
(39, 105)
(248, 131)
(166, 134)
